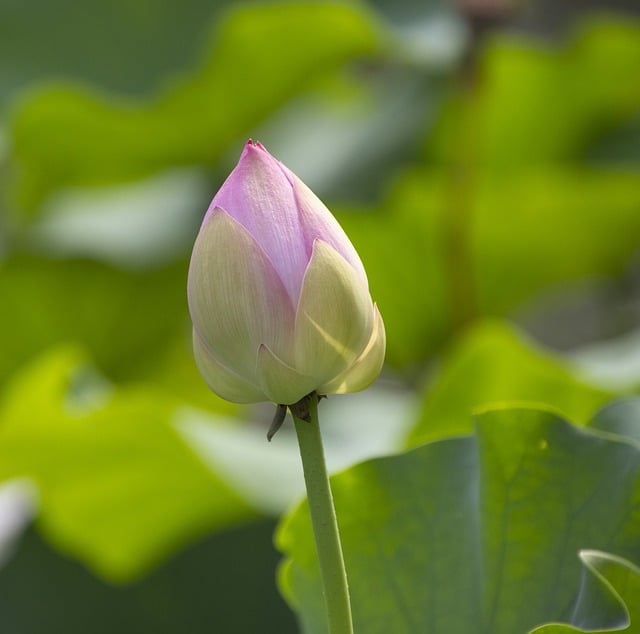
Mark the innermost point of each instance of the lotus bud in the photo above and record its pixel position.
(278, 296)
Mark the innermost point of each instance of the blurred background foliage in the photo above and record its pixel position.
(484, 157)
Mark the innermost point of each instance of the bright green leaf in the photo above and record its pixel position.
(119, 488)
(400, 246)
(478, 533)
(135, 325)
(494, 365)
(538, 229)
(526, 231)
(124, 319)
(507, 212)
(261, 55)
(540, 102)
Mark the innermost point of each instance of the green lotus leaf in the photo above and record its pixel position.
(480, 533)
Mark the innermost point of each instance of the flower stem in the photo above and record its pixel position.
(323, 518)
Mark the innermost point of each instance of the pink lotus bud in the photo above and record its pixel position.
(278, 296)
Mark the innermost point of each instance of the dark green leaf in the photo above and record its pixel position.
(620, 606)
(477, 534)
(119, 45)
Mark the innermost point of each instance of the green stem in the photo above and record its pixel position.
(323, 518)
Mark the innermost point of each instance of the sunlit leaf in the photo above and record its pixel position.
(67, 136)
(538, 229)
(399, 244)
(539, 101)
(526, 231)
(135, 325)
(118, 487)
(124, 319)
(494, 365)
(505, 210)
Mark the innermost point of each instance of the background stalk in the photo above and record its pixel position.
(323, 518)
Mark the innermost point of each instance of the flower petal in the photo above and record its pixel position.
(220, 379)
(236, 298)
(279, 381)
(318, 222)
(334, 318)
(258, 195)
(366, 368)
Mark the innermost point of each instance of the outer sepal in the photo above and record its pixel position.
(334, 318)
(279, 381)
(224, 382)
(236, 298)
(365, 370)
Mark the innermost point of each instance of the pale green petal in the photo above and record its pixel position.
(334, 318)
(221, 380)
(279, 381)
(236, 299)
(366, 368)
